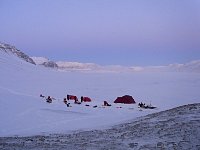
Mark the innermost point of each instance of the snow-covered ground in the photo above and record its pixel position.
(174, 129)
(24, 113)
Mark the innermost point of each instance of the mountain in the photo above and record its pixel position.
(13, 50)
(77, 66)
(45, 62)
(50, 64)
(39, 60)
(66, 66)
(193, 66)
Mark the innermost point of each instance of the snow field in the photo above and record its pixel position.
(24, 113)
(177, 128)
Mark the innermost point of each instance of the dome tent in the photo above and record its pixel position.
(126, 99)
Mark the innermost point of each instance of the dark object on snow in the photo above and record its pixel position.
(142, 105)
(87, 105)
(105, 103)
(85, 99)
(65, 100)
(150, 107)
(49, 100)
(77, 102)
(126, 99)
(119, 107)
(42, 96)
(95, 106)
(68, 104)
(72, 97)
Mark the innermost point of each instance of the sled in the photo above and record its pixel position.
(148, 107)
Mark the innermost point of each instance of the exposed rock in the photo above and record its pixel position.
(13, 50)
(50, 64)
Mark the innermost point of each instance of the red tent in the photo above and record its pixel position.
(126, 99)
(85, 99)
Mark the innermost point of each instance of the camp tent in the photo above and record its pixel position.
(126, 99)
(85, 99)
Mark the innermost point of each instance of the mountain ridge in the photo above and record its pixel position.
(192, 66)
(13, 50)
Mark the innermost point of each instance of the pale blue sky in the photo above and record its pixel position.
(106, 32)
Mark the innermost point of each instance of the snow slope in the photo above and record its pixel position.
(40, 60)
(176, 129)
(23, 112)
(12, 50)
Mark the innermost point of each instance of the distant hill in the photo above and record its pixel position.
(45, 62)
(193, 66)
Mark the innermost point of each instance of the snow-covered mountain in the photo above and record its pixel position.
(13, 50)
(50, 64)
(77, 66)
(193, 66)
(40, 60)
(45, 62)
(65, 65)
